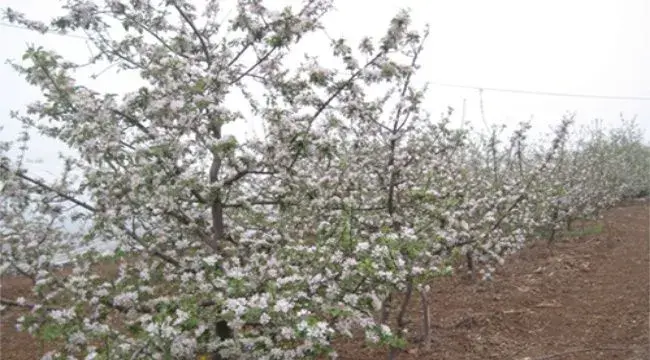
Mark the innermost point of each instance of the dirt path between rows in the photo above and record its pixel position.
(585, 298)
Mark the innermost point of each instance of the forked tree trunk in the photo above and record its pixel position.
(569, 222)
(385, 309)
(401, 321)
(222, 329)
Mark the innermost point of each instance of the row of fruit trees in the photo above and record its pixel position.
(272, 248)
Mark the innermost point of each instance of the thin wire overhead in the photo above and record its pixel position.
(480, 88)
(545, 93)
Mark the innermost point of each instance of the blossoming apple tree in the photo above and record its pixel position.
(272, 247)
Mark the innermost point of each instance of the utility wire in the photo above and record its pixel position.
(480, 88)
(545, 93)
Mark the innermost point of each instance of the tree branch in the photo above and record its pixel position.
(42, 185)
(187, 19)
(25, 305)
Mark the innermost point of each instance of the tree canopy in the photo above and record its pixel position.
(271, 247)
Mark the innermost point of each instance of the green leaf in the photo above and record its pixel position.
(275, 41)
(51, 332)
(190, 324)
(253, 314)
(135, 329)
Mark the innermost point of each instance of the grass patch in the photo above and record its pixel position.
(582, 229)
(594, 229)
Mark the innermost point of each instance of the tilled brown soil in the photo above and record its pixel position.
(585, 297)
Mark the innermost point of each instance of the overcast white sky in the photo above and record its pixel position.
(599, 47)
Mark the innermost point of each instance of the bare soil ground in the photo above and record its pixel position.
(586, 297)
